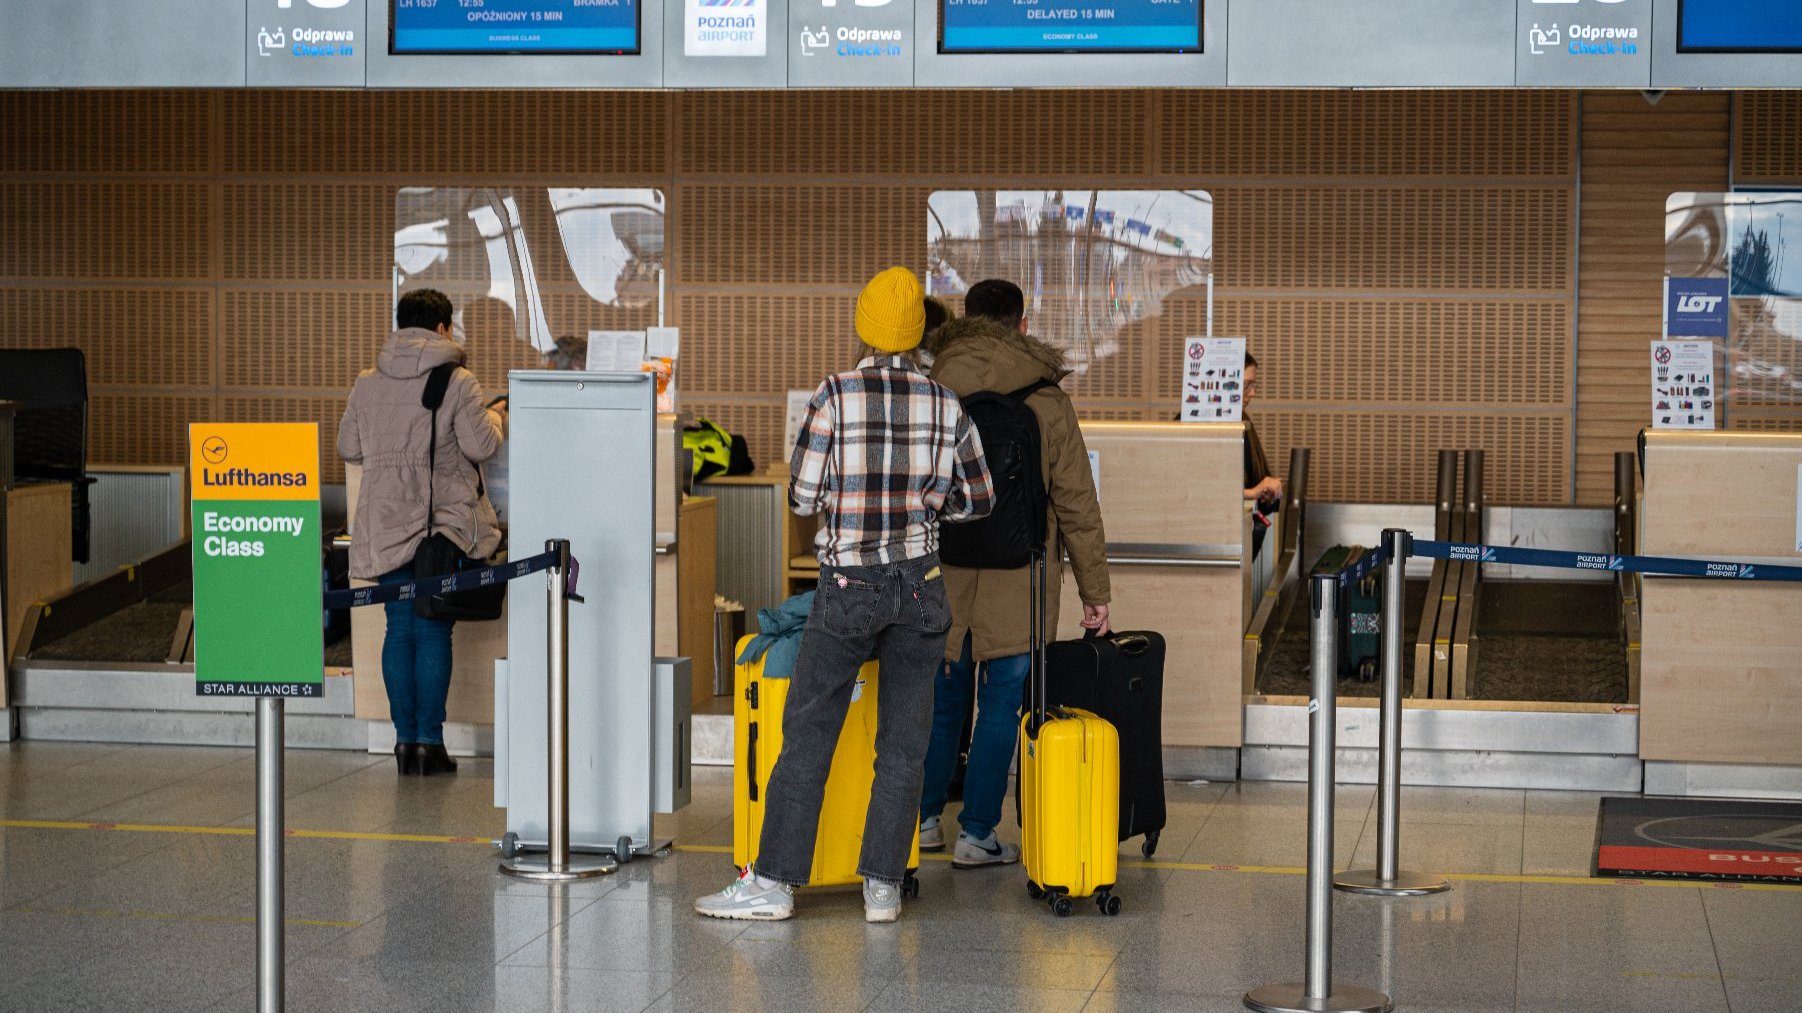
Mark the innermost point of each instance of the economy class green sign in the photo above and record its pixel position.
(257, 592)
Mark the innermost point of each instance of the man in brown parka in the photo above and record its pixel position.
(990, 350)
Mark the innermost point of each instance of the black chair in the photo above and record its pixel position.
(50, 431)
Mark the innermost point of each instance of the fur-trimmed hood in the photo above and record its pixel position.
(974, 353)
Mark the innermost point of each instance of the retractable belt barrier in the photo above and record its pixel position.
(463, 581)
(1600, 561)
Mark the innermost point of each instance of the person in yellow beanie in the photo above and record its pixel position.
(883, 456)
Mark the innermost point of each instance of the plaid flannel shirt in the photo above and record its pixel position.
(885, 454)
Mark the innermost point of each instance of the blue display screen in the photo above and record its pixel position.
(1739, 26)
(513, 26)
(1069, 26)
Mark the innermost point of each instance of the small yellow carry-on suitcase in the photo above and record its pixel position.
(757, 742)
(1069, 790)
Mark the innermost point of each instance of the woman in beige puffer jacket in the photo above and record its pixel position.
(388, 432)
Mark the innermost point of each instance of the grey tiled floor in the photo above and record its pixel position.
(136, 919)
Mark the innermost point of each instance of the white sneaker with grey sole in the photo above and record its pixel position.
(747, 899)
(931, 837)
(970, 853)
(881, 901)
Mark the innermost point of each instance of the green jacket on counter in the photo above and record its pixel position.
(975, 354)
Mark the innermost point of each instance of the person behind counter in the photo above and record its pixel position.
(389, 432)
(1261, 487)
(884, 455)
(990, 350)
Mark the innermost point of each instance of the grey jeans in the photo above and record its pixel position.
(899, 616)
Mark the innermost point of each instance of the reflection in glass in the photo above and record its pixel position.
(533, 270)
(1090, 261)
(1755, 241)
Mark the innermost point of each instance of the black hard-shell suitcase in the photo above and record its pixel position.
(1360, 611)
(1120, 677)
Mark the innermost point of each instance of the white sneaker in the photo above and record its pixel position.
(971, 853)
(881, 901)
(748, 900)
(931, 837)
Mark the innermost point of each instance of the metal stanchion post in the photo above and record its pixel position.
(271, 828)
(557, 866)
(1386, 880)
(1316, 993)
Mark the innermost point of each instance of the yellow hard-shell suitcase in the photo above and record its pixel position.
(1069, 793)
(758, 740)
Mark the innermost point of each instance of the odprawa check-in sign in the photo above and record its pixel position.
(257, 591)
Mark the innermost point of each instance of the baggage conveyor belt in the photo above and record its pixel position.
(141, 632)
(1540, 640)
(1551, 641)
(1286, 673)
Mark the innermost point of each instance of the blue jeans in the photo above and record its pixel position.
(999, 692)
(416, 668)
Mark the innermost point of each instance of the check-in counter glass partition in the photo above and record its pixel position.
(1172, 501)
(1721, 659)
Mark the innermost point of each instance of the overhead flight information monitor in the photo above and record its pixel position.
(1739, 26)
(1070, 26)
(599, 27)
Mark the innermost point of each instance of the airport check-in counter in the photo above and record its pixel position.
(684, 608)
(1179, 551)
(1721, 658)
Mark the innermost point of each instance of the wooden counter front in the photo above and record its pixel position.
(1171, 491)
(38, 546)
(1721, 659)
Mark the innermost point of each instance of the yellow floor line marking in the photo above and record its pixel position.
(163, 916)
(722, 849)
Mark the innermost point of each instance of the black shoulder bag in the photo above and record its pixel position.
(437, 555)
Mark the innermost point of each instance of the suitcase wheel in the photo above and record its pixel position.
(1108, 903)
(1033, 891)
(910, 886)
(1061, 906)
(1150, 845)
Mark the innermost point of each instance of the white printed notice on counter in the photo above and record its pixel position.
(1213, 380)
(615, 351)
(1683, 387)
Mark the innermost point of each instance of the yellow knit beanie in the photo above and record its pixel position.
(891, 311)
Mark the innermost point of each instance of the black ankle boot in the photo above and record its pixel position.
(434, 760)
(406, 758)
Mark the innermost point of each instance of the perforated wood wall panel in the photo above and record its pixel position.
(276, 339)
(1410, 238)
(795, 235)
(1767, 138)
(107, 131)
(1366, 134)
(1634, 156)
(139, 231)
(1416, 249)
(432, 137)
(130, 337)
(1466, 352)
(1526, 457)
(297, 232)
(137, 428)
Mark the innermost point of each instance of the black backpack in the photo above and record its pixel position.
(1015, 529)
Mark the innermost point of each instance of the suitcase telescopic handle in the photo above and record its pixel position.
(1035, 621)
